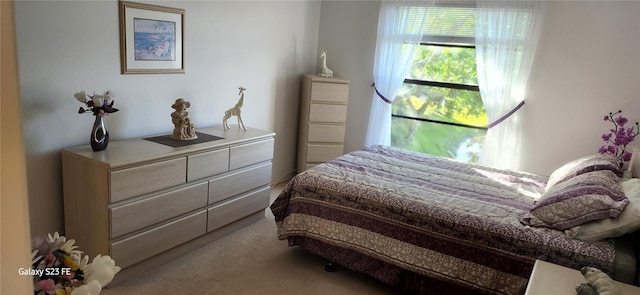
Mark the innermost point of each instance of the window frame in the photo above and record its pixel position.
(445, 41)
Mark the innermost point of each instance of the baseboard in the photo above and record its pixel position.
(285, 178)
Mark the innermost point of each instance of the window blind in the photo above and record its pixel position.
(457, 22)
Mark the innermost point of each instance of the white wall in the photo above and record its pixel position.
(67, 46)
(348, 32)
(587, 65)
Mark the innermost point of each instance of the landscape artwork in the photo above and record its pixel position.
(154, 40)
(151, 39)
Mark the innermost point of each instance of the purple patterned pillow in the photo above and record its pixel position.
(583, 165)
(579, 199)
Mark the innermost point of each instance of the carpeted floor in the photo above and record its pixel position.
(249, 261)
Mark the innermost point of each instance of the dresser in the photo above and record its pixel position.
(323, 115)
(138, 199)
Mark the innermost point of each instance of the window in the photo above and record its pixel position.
(439, 110)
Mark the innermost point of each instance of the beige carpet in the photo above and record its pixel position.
(249, 261)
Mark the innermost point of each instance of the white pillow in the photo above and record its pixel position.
(628, 221)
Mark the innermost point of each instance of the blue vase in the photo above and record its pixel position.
(99, 134)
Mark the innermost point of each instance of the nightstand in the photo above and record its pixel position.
(548, 278)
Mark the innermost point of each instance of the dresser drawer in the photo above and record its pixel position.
(331, 113)
(133, 216)
(150, 243)
(239, 182)
(149, 178)
(207, 164)
(325, 133)
(249, 154)
(332, 92)
(235, 209)
(323, 153)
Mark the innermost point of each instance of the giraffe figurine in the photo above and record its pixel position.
(326, 72)
(235, 111)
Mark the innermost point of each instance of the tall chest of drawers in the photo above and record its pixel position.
(139, 199)
(323, 116)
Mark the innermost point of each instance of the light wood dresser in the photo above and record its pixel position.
(138, 199)
(323, 116)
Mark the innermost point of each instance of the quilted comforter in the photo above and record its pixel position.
(427, 224)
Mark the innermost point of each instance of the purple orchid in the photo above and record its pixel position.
(617, 140)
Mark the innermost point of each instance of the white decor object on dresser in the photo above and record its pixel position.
(236, 110)
(323, 116)
(325, 72)
(145, 203)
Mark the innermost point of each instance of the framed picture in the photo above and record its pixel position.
(151, 39)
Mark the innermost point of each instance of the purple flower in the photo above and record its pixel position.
(108, 107)
(621, 121)
(603, 149)
(626, 156)
(616, 142)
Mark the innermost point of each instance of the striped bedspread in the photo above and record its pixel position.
(441, 219)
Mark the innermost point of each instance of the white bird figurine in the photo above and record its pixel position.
(326, 72)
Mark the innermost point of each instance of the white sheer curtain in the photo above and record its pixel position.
(399, 35)
(506, 40)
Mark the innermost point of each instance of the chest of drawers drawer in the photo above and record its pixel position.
(326, 133)
(127, 183)
(251, 153)
(207, 164)
(327, 113)
(330, 92)
(151, 210)
(152, 242)
(318, 153)
(239, 182)
(232, 210)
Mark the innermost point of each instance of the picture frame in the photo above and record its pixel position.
(151, 39)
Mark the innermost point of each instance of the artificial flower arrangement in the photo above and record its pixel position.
(99, 104)
(60, 269)
(619, 137)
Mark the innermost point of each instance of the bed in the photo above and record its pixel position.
(432, 225)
